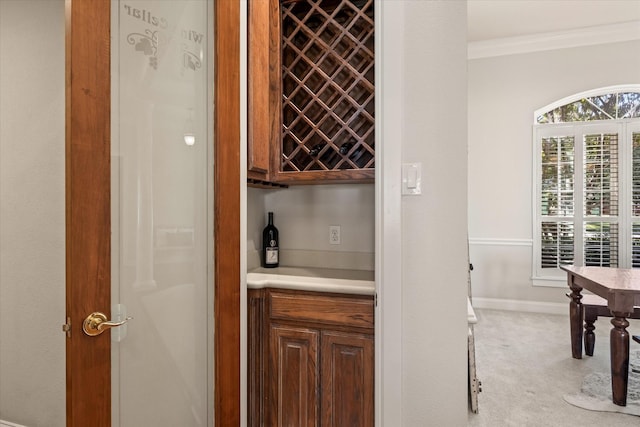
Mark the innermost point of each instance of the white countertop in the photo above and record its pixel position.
(358, 282)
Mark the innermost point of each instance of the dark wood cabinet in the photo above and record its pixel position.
(263, 120)
(347, 379)
(296, 375)
(311, 91)
(311, 359)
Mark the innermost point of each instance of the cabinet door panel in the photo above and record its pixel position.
(258, 87)
(347, 379)
(295, 381)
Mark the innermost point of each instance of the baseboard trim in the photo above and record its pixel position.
(8, 424)
(518, 305)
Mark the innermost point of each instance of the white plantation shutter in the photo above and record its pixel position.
(557, 183)
(557, 243)
(635, 197)
(557, 204)
(600, 199)
(601, 244)
(600, 175)
(635, 245)
(578, 197)
(587, 183)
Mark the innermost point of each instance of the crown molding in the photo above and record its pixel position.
(602, 34)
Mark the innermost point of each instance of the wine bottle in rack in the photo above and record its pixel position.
(330, 158)
(315, 150)
(270, 245)
(344, 148)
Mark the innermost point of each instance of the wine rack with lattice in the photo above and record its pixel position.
(327, 62)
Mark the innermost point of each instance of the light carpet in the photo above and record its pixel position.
(525, 365)
(595, 393)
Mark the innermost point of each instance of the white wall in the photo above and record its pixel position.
(255, 223)
(504, 92)
(32, 227)
(303, 215)
(434, 225)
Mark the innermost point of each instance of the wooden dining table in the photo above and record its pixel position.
(621, 288)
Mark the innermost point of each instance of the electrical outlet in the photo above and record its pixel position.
(334, 234)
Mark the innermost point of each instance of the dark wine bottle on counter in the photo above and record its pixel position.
(270, 245)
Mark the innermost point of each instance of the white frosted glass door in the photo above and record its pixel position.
(161, 212)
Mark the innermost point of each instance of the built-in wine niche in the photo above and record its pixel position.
(327, 85)
(311, 95)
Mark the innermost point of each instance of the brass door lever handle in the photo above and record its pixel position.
(96, 323)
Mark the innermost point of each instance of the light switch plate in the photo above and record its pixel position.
(412, 179)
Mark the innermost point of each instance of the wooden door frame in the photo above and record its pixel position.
(227, 212)
(88, 210)
(88, 222)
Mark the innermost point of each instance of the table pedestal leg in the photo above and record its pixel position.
(575, 321)
(619, 358)
(589, 335)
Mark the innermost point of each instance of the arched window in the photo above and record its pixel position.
(605, 104)
(587, 181)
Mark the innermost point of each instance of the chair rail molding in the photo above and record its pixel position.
(492, 241)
